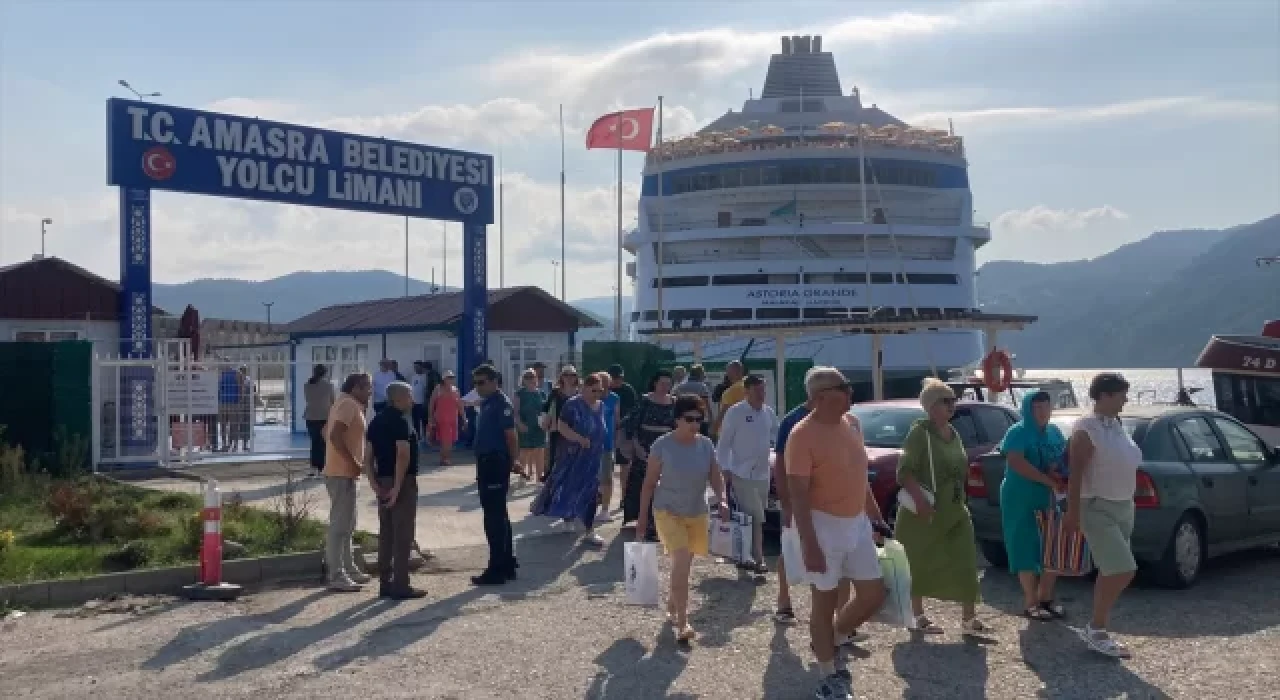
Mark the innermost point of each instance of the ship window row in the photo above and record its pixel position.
(756, 279)
(844, 171)
(776, 313)
(843, 174)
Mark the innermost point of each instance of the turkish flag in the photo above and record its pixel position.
(631, 130)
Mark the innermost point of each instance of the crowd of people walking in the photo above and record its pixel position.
(667, 449)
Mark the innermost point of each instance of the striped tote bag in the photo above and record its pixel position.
(1062, 553)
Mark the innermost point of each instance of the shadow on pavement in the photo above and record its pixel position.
(1069, 670)
(954, 670)
(726, 605)
(629, 673)
(1234, 596)
(542, 562)
(190, 642)
(301, 484)
(784, 667)
(265, 649)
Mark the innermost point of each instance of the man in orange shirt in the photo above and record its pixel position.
(833, 509)
(344, 463)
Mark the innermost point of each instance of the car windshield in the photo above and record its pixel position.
(886, 426)
(1064, 423)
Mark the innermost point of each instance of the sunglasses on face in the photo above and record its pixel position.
(948, 402)
(844, 386)
(479, 382)
(691, 418)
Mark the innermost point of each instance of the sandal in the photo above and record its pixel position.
(686, 634)
(1054, 609)
(784, 616)
(973, 626)
(1039, 613)
(1103, 643)
(924, 625)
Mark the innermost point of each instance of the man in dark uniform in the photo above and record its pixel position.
(496, 447)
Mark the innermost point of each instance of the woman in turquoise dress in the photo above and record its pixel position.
(533, 439)
(1033, 450)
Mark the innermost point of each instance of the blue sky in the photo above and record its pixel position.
(1088, 124)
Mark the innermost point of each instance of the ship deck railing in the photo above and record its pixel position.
(683, 149)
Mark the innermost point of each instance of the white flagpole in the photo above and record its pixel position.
(562, 265)
(661, 232)
(502, 279)
(617, 298)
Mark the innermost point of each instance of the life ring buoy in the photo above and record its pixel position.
(997, 382)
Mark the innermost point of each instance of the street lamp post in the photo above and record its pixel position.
(555, 266)
(43, 223)
(140, 95)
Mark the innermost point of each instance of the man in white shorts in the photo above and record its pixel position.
(833, 509)
(743, 454)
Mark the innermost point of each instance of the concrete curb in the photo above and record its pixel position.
(303, 566)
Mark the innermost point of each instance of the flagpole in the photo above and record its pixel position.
(866, 244)
(617, 298)
(502, 279)
(661, 232)
(562, 265)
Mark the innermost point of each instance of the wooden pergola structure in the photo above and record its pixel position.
(876, 325)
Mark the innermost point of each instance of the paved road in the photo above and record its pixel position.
(563, 631)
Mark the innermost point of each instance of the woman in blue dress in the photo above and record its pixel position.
(573, 487)
(1034, 473)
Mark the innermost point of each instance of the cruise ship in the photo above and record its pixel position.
(809, 205)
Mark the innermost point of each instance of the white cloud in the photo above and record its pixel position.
(1041, 219)
(1192, 107)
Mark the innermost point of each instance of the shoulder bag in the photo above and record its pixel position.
(905, 499)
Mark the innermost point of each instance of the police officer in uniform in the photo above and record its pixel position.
(496, 446)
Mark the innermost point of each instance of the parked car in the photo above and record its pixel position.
(1207, 486)
(980, 425)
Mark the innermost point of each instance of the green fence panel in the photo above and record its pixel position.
(48, 386)
(639, 360)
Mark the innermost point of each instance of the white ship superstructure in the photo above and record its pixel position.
(808, 205)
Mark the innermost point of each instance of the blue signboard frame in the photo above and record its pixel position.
(152, 146)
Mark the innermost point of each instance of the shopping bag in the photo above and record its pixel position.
(793, 557)
(1063, 553)
(896, 572)
(730, 538)
(640, 572)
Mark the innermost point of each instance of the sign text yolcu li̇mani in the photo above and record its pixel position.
(308, 149)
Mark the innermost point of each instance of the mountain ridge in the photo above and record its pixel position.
(1156, 301)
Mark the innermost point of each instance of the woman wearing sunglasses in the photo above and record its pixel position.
(933, 524)
(681, 465)
(572, 490)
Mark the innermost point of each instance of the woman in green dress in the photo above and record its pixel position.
(938, 535)
(533, 439)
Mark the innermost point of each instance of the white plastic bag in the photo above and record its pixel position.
(640, 572)
(793, 557)
(896, 571)
(730, 538)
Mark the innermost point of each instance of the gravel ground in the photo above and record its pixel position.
(563, 631)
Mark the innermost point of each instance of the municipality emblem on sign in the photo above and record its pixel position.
(466, 200)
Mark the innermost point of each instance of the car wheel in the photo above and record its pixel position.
(994, 552)
(1184, 556)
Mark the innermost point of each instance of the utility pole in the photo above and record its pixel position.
(268, 304)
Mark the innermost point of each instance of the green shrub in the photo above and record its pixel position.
(133, 555)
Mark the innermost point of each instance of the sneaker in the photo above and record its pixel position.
(409, 593)
(1102, 642)
(837, 686)
(603, 517)
(344, 585)
(855, 637)
(489, 577)
(593, 539)
(359, 577)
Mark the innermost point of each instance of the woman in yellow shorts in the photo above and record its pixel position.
(681, 464)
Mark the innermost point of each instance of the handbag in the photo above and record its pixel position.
(1062, 553)
(895, 570)
(905, 499)
(640, 573)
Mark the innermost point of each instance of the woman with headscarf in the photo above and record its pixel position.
(565, 389)
(938, 532)
(573, 488)
(533, 439)
(1033, 476)
(653, 417)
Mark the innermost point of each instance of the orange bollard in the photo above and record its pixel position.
(211, 586)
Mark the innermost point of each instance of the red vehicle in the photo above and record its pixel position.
(980, 425)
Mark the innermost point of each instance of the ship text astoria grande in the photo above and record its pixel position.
(809, 205)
